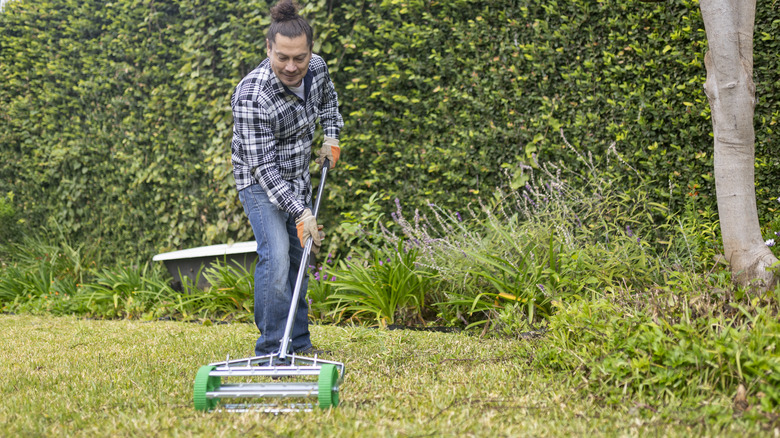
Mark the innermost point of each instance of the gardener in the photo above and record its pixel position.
(275, 108)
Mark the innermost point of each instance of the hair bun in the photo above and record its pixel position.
(285, 10)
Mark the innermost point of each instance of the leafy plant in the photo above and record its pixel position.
(550, 234)
(124, 292)
(443, 96)
(229, 298)
(359, 227)
(389, 289)
(37, 270)
(10, 223)
(660, 345)
(322, 282)
(531, 279)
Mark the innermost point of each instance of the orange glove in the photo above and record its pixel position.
(330, 149)
(307, 227)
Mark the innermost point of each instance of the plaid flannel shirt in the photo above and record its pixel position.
(273, 130)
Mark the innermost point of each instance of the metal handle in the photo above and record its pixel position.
(302, 269)
(325, 168)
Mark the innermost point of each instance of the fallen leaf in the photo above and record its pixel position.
(740, 400)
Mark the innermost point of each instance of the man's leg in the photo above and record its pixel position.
(272, 289)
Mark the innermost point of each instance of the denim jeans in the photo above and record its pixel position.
(279, 255)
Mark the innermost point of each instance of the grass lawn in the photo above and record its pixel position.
(63, 376)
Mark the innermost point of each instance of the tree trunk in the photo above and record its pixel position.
(731, 93)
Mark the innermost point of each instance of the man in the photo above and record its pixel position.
(275, 109)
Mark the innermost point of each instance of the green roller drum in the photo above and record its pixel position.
(328, 394)
(205, 383)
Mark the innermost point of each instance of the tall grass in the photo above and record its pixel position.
(550, 234)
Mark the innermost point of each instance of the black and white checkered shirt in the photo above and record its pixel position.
(273, 131)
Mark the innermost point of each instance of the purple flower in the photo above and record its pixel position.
(460, 219)
(629, 232)
(333, 278)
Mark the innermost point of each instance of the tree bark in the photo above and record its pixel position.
(731, 94)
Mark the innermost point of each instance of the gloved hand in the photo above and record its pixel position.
(307, 227)
(330, 149)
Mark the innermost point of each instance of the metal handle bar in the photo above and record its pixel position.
(302, 269)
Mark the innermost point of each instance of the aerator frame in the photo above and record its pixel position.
(217, 381)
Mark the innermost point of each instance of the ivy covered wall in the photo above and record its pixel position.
(443, 97)
(115, 118)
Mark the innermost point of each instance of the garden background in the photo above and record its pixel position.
(539, 171)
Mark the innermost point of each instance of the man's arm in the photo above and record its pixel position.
(330, 118)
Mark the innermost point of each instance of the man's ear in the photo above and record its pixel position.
(268, 46)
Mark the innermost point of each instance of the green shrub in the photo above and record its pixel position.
(676, 344)
(229, 297)
(390, 288)
(10, 223)
(442, 97)
(41, 274)
(322, 281)
(123, 292)
(550, 234)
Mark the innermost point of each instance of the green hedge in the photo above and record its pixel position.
(442, 96)
(114, 117)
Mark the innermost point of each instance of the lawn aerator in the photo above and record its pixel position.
(281, 375)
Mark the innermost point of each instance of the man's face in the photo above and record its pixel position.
(289, 58)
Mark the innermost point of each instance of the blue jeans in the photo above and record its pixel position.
(279, 256)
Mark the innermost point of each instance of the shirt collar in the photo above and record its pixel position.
(280, 88)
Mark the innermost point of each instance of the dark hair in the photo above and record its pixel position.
(286, 21)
